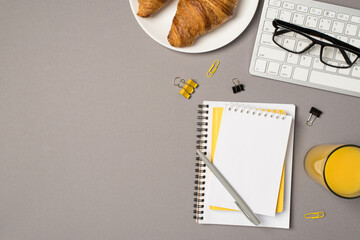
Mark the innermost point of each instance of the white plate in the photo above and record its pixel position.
(158, 26)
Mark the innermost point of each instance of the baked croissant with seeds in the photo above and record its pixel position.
(194, 18)
(149, 7)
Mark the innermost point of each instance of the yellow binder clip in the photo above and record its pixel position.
(213, 68)
(185, 93)
(192, 83)
(314, 215)
(187, 88)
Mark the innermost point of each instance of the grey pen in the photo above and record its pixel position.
(238, 200)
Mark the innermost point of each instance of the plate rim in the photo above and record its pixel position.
(193, 51)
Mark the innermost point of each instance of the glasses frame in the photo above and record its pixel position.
(308, 33)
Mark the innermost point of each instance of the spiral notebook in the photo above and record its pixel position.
(251, 144)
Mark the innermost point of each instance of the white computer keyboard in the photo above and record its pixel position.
(271, 61)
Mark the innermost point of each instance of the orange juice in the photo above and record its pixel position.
(336, 167)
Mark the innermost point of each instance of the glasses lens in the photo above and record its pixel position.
(291, 41)
(336, 57)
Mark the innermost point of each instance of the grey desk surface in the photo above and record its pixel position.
(96, 143)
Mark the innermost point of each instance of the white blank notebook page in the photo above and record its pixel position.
(250, 153)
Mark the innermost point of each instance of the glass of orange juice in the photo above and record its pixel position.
(335, 167)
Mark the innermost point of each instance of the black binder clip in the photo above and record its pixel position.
(238, 87)
(314, 113)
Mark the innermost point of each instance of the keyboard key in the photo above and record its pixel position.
(329, 68)
(298, 19)
(274, 54)
(343, 17)
(300, 36)
(289, 34)
(272, 13)
(342, 64)
(285, 16)
(325, 24)
(318, 64)
(288, 5)
(301, 46)
(273, 68)
(356, 72)
(305, 61)
(353, 56)
(335, 81)
(266, 39)
(344, 71)
(329, 14)
(328, 52)
(355, 42)
(338, 27)
(342, 38)
(355, 19)
(302, 8)
(286, 71)
(289, 44)
(351, 29)
(339, 56)
(275, 3)
(301, 74)
(316, 11)
(260, 65)
(268, 27)
(293, 58)
(315, 50)
(311, 22)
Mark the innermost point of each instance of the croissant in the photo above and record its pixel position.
(194, 18)
(149, 7)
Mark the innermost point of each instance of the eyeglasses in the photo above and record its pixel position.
(333, 52)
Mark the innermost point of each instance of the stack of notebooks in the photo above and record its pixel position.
(252, 146)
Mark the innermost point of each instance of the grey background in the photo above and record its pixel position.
(96, 143)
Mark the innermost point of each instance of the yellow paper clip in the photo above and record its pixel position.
(187, 88)
(213, 68)
(314, 215)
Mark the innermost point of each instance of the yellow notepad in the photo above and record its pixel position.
(217, 116)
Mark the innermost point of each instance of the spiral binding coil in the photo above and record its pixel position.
(277, 114)
(200, 169)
